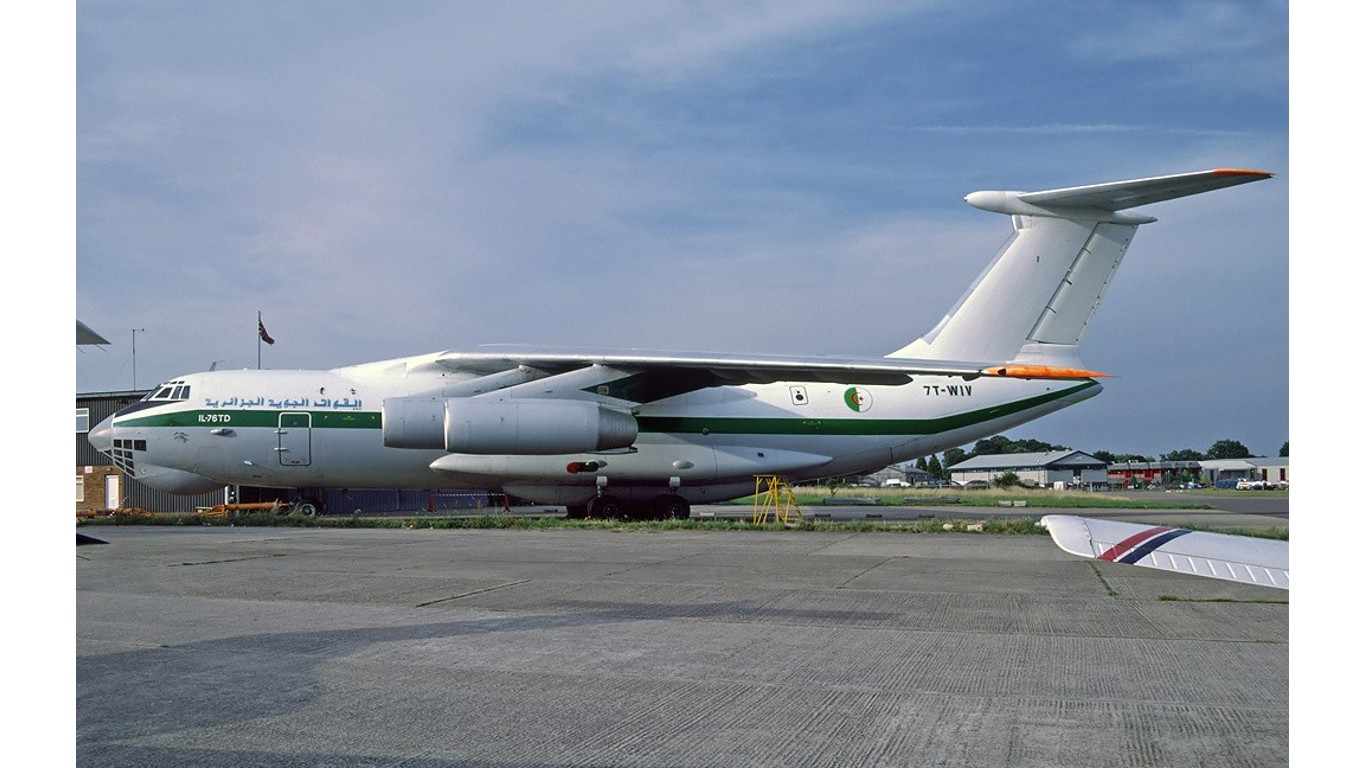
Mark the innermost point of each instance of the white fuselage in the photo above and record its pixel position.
(322, 429)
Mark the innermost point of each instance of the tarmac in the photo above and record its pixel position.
(423, 648)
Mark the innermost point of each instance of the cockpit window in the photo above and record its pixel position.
(170, 391)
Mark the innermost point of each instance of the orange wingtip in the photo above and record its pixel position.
(1042, 372)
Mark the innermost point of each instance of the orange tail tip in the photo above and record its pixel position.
(1244, 172)
(1041, 372)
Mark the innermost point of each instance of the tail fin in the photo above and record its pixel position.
(1035, 299)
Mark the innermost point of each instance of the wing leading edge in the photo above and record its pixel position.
(663, 374)
(1244, 559)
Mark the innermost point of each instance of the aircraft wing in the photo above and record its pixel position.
(1245, 559)
(652, 375)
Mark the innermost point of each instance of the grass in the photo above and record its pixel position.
(1011, 525)
(1229, 493)
(494, 521)
(987, 497)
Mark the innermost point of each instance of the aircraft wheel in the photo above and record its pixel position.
(671, 506)
(606, 508)
(306, 505)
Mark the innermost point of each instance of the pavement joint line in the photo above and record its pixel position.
(471, 593)
(634, 566)
(840, 540)
(863, 572)
(232, 559)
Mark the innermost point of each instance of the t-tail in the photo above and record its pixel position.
(1033, 303)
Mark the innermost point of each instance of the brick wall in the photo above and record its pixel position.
(91, 479)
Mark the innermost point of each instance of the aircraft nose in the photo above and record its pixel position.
(102, 436)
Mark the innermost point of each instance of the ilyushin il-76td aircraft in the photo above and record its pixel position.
(632, 433)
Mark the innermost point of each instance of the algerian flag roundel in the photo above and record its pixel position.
(858, 399)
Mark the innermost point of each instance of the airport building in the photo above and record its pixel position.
(1132, 474)
(1075, 469)
(1270, 472)
(1051, 469)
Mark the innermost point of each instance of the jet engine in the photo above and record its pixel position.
(517, 426)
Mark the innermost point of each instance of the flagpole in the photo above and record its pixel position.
(261, 336)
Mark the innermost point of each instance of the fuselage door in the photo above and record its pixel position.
(295, 439)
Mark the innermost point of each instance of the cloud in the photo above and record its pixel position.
(385, 180)
(1239, 46)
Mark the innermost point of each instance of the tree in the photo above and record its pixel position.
(935, 469)
(999, 444)
(953, 456)
(1105, 456)
(1285, 450)
(832, 483)
(1183, 454)
(1007, 479)
(1228, 449)
(992, 446)
(1037, 446)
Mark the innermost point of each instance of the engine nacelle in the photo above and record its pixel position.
(531, 426)
(518, 426)
(413, 422)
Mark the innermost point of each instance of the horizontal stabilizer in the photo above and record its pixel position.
(1102, 202)
(1244, 559)
(1118, 195)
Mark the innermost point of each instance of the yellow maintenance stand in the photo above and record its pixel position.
(772, 493)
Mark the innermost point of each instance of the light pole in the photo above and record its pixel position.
(136, 331)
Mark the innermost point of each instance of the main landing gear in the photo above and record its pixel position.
(671, 506)
(667, 506)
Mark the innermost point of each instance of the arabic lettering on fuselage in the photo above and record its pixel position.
(345, 403)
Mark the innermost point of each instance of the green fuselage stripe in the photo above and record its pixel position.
(846, 426)
(247, 418)
(740, 425)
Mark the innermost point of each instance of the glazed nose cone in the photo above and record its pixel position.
(102, 436)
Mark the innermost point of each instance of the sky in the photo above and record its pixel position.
(386, 179)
